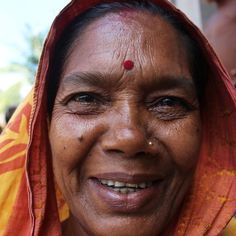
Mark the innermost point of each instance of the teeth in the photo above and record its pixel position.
(127, 190)
(131, 185)
(123, 187)
(116, 189)
(131, 190)
(123, 190)
(142, 185)
(119, 184)
(103, 181)
(110, 183)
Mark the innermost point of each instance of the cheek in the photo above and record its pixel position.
(188, 147)
(71, 141)
(182, 140)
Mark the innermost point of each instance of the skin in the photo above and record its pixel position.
(102, 126)
(220, 30)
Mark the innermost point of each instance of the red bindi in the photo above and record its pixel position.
(128, 65)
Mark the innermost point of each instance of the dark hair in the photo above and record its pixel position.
(77, 26)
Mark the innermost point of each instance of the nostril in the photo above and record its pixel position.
(140, 154)
(117, 151)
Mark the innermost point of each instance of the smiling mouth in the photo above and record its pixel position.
(126, 193)
(123, 187)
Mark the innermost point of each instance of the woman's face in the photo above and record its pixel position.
(125, 142)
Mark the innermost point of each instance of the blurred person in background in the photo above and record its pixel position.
(221, 32)
(9, 112)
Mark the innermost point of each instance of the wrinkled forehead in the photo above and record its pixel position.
(130, 25)
(129, 34)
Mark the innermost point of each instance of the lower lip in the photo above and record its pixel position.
(128, 203)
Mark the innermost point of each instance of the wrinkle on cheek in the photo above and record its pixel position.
(192, 149)
(57, 112)
(71, 145)
(184, 136)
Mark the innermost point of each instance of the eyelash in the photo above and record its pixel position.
(82, 97)
(87, 103)
(171, 99)
(170, 107)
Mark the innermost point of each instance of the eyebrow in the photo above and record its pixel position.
(101, 80)
(94, 79)
(167, 82)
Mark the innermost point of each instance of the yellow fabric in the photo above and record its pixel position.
(63, 207)
(230, 230)
(12, 181)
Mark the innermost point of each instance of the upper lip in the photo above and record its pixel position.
(133, 178)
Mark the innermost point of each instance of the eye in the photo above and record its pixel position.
(170, 108)
(87, 103)
(170, 102)
(85, 98)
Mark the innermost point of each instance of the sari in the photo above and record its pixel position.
(30, 201)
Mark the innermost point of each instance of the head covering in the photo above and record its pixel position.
(29, 200)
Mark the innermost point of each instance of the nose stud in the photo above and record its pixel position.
(150, 143)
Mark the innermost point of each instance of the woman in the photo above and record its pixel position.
(121, 124)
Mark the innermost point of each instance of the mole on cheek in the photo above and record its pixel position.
(81, 138)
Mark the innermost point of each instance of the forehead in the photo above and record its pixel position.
(149, 41)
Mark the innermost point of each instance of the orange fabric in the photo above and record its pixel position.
(30, 203)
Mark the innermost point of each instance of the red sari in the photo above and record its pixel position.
(30, 202)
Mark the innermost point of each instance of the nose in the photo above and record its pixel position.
(127, 135)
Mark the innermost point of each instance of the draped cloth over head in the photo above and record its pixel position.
(29, 200)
